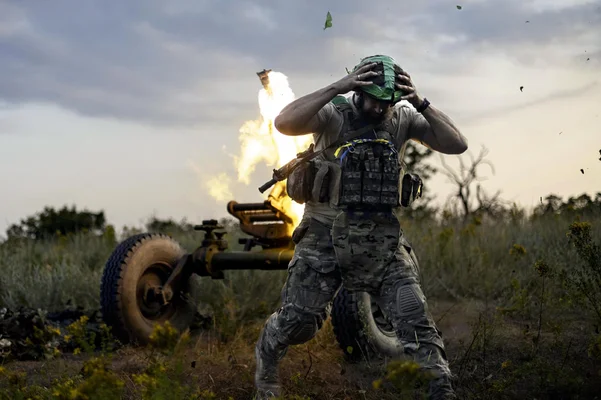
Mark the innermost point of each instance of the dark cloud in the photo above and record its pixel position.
(193, 61)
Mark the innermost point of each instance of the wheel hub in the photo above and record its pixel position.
(149, 292)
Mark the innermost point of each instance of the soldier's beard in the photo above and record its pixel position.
(377, 118)
(372, 117)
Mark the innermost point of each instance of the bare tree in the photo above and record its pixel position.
(469, 197)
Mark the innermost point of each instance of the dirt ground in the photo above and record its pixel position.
(316, 369)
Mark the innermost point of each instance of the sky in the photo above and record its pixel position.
(131, 107)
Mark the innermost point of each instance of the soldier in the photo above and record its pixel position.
(352, 236)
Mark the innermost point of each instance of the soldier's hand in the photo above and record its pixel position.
(405, 84)
(361, 77)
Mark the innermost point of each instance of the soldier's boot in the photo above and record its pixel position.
(441, 389)
(266, 376)
(269, 350)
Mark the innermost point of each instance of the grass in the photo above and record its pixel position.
(517, 300)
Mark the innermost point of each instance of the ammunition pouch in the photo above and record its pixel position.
(315, 180)
(300, 182)
(412, 186)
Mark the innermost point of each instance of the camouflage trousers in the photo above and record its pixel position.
(363, 252)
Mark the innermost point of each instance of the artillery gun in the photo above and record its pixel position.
(147, 278)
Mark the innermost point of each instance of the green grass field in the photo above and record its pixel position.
(518, 301)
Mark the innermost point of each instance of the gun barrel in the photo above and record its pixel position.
(267, 185)
(264, 217)
(234, 206)
(264, 260)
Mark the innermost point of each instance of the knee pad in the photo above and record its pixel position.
(303, 332)
(410, 300)
(298, 326)
(412, 311)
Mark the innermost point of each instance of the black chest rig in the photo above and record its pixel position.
(369, 164)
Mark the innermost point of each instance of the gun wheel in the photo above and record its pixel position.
(138, 266)
(362, 329)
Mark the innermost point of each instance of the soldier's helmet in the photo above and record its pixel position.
(383, 87)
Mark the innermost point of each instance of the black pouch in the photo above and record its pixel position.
(390, 189)
(321, 184)
(372, 186)
(299, 184)
(351, 181)
(301, 230)
(390, 181)
(411, 189)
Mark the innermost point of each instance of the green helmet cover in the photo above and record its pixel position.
(383, 87)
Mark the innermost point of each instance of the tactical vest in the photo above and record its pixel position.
(370, 165)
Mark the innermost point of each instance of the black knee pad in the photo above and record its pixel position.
(299, 326)
(410, 300)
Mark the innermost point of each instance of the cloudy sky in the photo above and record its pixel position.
(106, 105)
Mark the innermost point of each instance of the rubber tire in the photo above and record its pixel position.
(122, 271)
(356, 331)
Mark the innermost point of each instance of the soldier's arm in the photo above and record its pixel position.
(310, 113)
(306, 114)
(436, 130)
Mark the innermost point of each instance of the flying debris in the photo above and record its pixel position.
(328, 23)
(264, 77)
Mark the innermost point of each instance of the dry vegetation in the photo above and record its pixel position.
(518, 300)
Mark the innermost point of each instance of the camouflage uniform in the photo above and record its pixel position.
(364, 252)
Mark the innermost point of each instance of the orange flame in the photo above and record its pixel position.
(261, 142)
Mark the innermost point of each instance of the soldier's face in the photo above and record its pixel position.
(375, 110)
